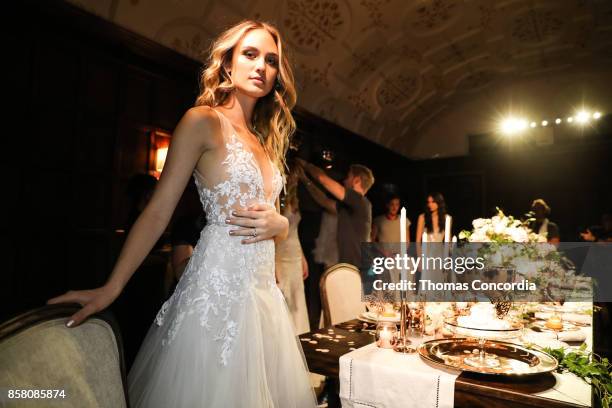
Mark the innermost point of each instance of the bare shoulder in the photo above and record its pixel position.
(421, 217)
(202, 123)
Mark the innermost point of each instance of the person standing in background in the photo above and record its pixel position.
(432, 220)
(386, 230)
(386, 227)
(431, 224)
(353, 208)
(291, 265)
(325, 251)
(542, 225)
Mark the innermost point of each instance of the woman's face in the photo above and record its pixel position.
(431, 204)
(255, 63)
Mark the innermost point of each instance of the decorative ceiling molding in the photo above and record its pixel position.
(382, 68)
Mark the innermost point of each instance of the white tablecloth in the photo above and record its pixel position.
(375, 377)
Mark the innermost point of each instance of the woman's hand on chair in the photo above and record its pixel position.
(93, 301)
(258, 222)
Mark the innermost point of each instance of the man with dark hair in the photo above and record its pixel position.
(386, 227)
(353, 208)
(542, 225)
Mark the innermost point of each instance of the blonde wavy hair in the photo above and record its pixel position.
(272, 120)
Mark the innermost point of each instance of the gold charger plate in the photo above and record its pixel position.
(514, 360)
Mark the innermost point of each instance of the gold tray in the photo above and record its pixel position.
(514, 360)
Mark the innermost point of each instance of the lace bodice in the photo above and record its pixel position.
(243, 183)
(222, 272)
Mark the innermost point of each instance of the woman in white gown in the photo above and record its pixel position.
(227, 324)
(291, 266)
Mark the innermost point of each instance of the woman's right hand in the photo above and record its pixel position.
(93, 301)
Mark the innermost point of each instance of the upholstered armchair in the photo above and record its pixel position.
(38, 352)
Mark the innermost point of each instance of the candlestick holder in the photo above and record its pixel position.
(386, 334)
(403, 344)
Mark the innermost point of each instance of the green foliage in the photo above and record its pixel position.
(590, 367)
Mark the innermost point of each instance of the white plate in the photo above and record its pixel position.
(374, 317)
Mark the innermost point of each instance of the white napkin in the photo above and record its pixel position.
(570, 317)
(541, 337)
(371, 376)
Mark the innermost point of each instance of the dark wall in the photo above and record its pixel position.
(83, 93)
(81, 96)
(573, 179)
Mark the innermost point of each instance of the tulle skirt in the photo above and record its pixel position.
(266, 366)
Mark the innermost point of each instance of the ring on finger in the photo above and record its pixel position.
(254, 233)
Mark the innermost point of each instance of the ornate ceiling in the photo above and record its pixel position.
(399, 72)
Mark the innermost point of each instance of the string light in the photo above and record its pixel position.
(514, 125)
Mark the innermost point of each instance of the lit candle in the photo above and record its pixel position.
(385, 337)
(447, 228)
(388, 310)
(423, 242)
(404, 272)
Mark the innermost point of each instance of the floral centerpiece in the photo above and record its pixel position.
(508, 242)
(501, 229)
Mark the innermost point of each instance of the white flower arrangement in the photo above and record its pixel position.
(501, 229)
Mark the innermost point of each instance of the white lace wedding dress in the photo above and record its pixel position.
(224, 338)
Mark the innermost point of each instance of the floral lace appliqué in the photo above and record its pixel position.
(219, 275)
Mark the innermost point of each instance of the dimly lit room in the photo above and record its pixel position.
(307, 203)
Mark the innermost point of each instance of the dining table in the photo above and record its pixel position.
(324, 347)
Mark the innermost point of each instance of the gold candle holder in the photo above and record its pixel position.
(386, 334)
(403, 344)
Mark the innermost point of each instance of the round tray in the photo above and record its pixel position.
(510, 333)
(514, 360)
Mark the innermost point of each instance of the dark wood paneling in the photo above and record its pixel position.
(90, 201)
(167, 104)
(136, 94)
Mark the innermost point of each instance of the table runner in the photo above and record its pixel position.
(374, 377)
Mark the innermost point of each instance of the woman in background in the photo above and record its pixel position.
(431, 221)
(431, 224)
(291, 265)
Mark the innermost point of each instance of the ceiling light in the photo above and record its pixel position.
(570, 119)
(582, 117)
(597, 115)
(544, 123)
(558, 120)
(512, 125)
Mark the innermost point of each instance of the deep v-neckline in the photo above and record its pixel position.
(256, 164)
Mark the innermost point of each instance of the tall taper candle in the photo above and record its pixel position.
(447, 228)
(404, 272)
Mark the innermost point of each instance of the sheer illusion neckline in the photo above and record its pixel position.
(248, 149)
